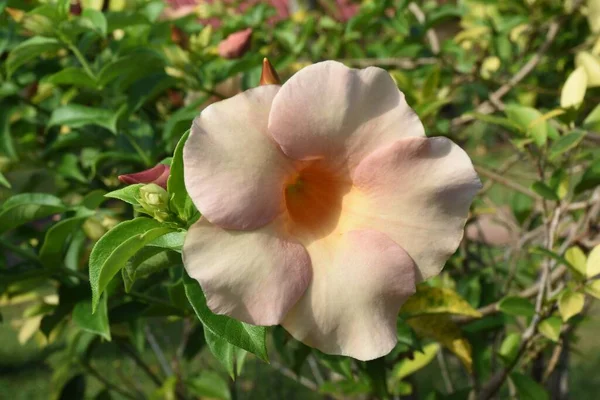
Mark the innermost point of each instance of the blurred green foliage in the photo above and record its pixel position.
(93, 90)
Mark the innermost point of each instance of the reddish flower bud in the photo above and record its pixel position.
(75, 8)
(157, 175)
(236, 44)
(269, 75)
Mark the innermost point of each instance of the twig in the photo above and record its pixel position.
(110, 386)
(445, 373)
(292, 375)
(494, 102)
(506, 182)
(531, 291)
(160, 356)
(140, 363)
(315, 369)
(401, 62)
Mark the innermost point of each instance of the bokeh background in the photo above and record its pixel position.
(93, 89)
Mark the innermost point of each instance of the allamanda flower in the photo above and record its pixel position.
(323, 205)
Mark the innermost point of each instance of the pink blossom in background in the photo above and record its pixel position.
(158, 175)
(323, 205)
(236, 44)
(345, 9)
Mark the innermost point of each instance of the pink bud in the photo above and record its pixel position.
(157, 175)
(236, 44)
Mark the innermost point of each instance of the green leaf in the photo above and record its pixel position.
(573, 91)
(96, 20)
(514, 305)
(434, 300)
(4, 182)
(527, 388)
(566, 260)
(148, 261)
(590, 178)
(7, 146)
(180, 200)
(209, 385)
(593, 262)
(593, 289)
(72, 76)
(26, 207)
(94, 322)
(249, 337)
(75, 116)
(57, 239)
(127, 69)
(530, 121)
(445, 331)
(419, 360)
(172, 241)
(129, 194)
(509, 348)
(492, 119)
(592, 121)
(545, 191)
(223, 351)
(550, 327)
(570, 304)
(566, 143)
(577, 260)
(116, 247)
(30, 49)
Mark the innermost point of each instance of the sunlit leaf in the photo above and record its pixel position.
(574, 89)
(435, 300)
(442, 329)
(248, 337)
(419, 360)
(570, 303)
(550, 327)
(116, 247)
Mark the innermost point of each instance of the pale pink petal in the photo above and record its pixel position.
(360, 280)
(330, 111)
(233, 170)
(418, 191)
(255, 277)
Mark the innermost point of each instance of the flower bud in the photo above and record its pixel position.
(236, 44)
(157, 175)
(155, 201)
(269, 75)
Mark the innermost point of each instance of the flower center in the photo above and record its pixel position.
(313, 198)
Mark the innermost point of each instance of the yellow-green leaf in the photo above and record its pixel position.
(577, 259)
(434, 300)
(442, 329)
(574, 89)
(593, 289)
(420, 360)
(570, 303)
(593, 263)
(550, 327)
(593, 15)
(591, 63)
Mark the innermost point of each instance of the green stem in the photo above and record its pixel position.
(78, 55)
(145, 159)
